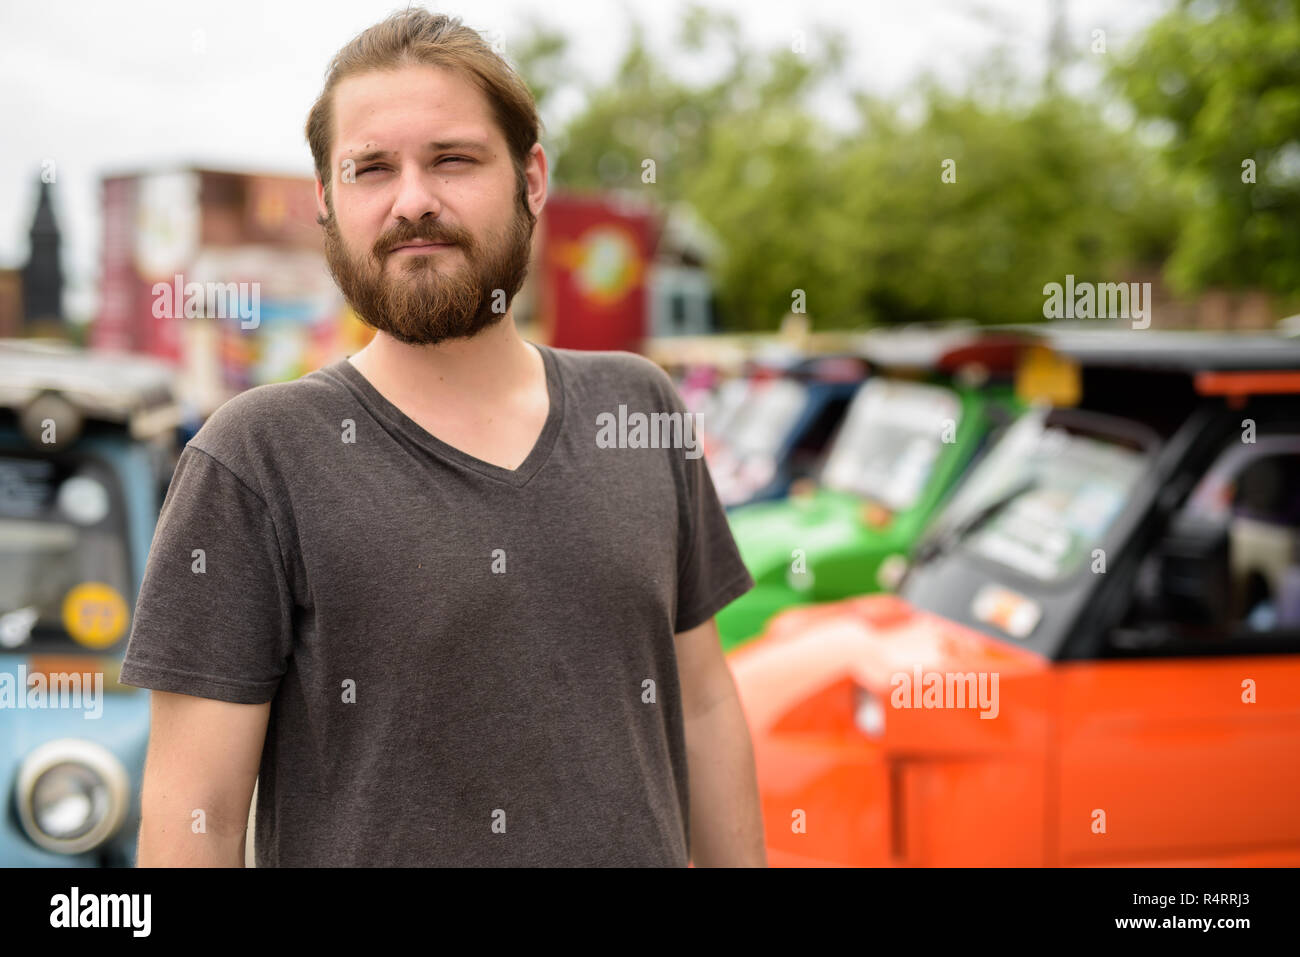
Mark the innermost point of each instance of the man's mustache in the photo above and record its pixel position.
(428, 232)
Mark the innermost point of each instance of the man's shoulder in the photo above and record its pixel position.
(255, 428)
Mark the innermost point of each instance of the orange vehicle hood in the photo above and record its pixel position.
(869, 640)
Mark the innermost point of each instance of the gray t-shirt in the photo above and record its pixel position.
(466, 665)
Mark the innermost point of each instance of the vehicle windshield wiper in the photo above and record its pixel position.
(944, 541)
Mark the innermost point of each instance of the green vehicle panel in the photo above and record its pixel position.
(903, 447)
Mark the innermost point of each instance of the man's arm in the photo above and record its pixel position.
(726, 822)
(203, 756)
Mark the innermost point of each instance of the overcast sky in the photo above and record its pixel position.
(103, 88)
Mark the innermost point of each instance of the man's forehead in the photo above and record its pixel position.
(414, 107)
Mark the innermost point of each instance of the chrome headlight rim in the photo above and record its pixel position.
(95, 758)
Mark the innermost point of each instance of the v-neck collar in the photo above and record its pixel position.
(390, 415)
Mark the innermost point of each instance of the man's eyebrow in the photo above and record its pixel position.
(437, 146)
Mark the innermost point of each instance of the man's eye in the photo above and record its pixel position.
(448, 159)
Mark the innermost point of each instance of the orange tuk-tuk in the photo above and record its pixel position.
(1094, 658)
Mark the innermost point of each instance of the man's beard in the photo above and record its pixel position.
(428, 301)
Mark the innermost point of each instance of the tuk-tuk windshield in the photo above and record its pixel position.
(722, 406)
(1071, 488)
(891, 438)
(61, 525)
(764, 420)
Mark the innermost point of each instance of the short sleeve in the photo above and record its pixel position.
(711, 573)
(214, 617)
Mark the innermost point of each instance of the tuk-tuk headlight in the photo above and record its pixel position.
(57, 411)
(72, 795)
(868, 712)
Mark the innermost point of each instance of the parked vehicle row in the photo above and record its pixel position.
(1024, 597)
(904, 440)
(1093, 657)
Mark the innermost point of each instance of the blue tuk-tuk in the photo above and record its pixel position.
(88, 442)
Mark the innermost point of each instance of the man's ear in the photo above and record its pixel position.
(321, 209)
(535, 173)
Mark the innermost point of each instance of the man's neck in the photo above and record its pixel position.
(488, 368)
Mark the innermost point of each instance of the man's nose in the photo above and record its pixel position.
(415, 197)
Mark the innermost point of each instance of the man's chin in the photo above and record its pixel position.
(440, 332)
(413, 268)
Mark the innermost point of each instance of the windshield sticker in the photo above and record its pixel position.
(1005, 610)
(1094, 508)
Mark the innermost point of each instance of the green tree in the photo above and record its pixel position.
(972, 210)
(861, 218)
(1220, 81)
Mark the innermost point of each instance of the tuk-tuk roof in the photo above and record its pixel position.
(1172, 350)
(918, 345)
(113, 386)
(942, 346)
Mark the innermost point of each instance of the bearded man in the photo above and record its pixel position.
(409, 595)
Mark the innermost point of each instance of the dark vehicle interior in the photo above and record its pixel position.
(1223, 575)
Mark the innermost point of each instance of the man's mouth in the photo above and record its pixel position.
(419, 245)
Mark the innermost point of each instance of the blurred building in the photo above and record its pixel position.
(190, 254)
(682, 301)
(1220, 310)
(615, 271)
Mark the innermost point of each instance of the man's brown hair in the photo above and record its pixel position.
(416, 36)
